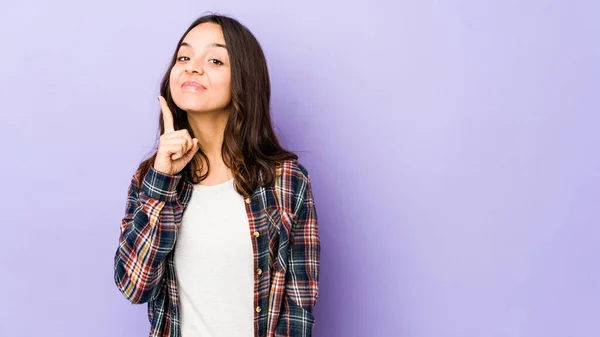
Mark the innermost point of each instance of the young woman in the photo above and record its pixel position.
(220, 234)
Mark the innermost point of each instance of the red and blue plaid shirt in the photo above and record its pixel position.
(285, 241)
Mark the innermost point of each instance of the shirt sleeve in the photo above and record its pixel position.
(302, 288)
(147, 234)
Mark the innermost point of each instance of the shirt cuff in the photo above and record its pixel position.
(160, 186)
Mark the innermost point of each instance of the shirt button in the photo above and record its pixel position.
(248, 200)
(258, 309)
(256, 234)
(259, 271)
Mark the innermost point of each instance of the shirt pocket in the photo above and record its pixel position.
(294, 320)
(280, 225)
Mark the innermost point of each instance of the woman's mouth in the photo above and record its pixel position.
(193, 86)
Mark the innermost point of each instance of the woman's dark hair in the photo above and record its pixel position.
(250, 146)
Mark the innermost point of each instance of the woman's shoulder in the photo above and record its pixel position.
(294, 180)
(292, 168)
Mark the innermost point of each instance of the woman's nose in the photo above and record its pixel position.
(194, 66)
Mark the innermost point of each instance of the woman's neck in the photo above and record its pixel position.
(209, 128)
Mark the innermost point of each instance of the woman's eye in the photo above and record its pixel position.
(183, 58)
(215, 61)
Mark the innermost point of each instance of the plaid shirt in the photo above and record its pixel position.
(285, 240)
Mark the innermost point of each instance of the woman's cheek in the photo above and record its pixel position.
(173, 80)
(173, 75)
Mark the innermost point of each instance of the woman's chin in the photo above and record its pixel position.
(198, 103)
(190, 105)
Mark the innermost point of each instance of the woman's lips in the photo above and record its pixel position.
(191, 85)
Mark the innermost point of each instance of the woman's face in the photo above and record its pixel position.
(200, 80)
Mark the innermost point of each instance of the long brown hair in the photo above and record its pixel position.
(250, 146)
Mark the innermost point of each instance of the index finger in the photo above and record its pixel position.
(167, 115)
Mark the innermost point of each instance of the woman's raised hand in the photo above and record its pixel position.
(175, 148)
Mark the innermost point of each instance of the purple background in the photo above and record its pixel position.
(453, 149)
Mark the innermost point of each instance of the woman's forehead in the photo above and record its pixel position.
(204, 35)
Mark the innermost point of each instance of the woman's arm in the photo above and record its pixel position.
(302, 287)
(148, 233)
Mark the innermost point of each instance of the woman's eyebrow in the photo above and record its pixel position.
(210, 45)
(213, 45)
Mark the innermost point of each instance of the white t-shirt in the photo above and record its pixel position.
(214, 263)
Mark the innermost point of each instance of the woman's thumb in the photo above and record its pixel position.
(193, 150)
